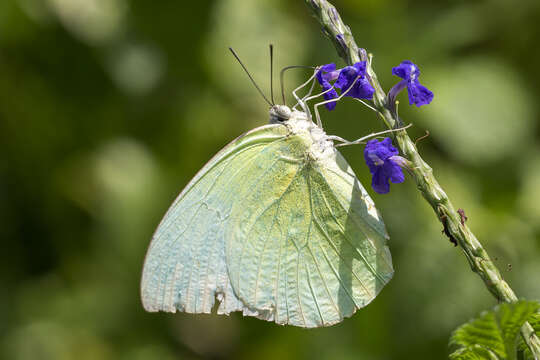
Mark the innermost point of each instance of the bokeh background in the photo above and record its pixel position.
(109, 107)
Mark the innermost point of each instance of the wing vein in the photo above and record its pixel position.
(276, 295)
(262, 254)
(298, 287)
(368, 265)
(333, 246)
(313, 293)
(389, 265)
(311, 250)
(258, 217)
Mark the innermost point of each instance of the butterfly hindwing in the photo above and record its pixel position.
(308, 246)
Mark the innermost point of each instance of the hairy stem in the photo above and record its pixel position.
(479, 260)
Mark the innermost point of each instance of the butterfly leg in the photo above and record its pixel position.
(301, 102)
(364, 138)
(328, 101)
(310, 91)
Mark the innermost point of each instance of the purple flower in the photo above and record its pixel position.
(350, 79)
(409, 72)
(354, 77)
(326, 74)
(384, 164)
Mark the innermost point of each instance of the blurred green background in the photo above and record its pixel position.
(109, 107)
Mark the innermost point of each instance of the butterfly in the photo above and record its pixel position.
(277, 226)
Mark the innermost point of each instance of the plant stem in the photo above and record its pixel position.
(479, 260)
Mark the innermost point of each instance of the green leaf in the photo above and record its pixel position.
(478, 353)
(534, 320)
(493, 334)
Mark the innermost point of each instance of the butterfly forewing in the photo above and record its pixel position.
(185, 265)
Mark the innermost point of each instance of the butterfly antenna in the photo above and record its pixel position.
(272, 73)
(250, 77)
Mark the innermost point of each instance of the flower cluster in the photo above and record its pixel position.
(381, 157)
(350, 80)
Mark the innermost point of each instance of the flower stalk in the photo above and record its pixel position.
(456, 230)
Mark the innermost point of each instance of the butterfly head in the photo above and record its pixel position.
(279, 114)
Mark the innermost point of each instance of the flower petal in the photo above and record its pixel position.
(387, 142)
(369, 151)
(418, 94)
(332, 94)
(380, 157)
(379, 183)
(362, 89)
(406, 70)
(328, 67)
(322, 78)
(360, 68)
(396, 173)
(346, 77)
(409, 72)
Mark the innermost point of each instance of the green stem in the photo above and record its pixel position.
(479, 260)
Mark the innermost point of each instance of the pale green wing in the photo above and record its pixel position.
(307, 245)
(269, 231)
(185, 266)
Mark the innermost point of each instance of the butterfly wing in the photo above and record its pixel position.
(185, 266)
(307, 245)
(272, 233)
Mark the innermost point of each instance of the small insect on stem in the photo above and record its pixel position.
(445, 231)
(462, 216)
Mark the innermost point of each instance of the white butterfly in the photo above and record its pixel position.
(275, 225)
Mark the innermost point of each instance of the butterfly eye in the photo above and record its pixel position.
(282, 117)
(279, 114)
